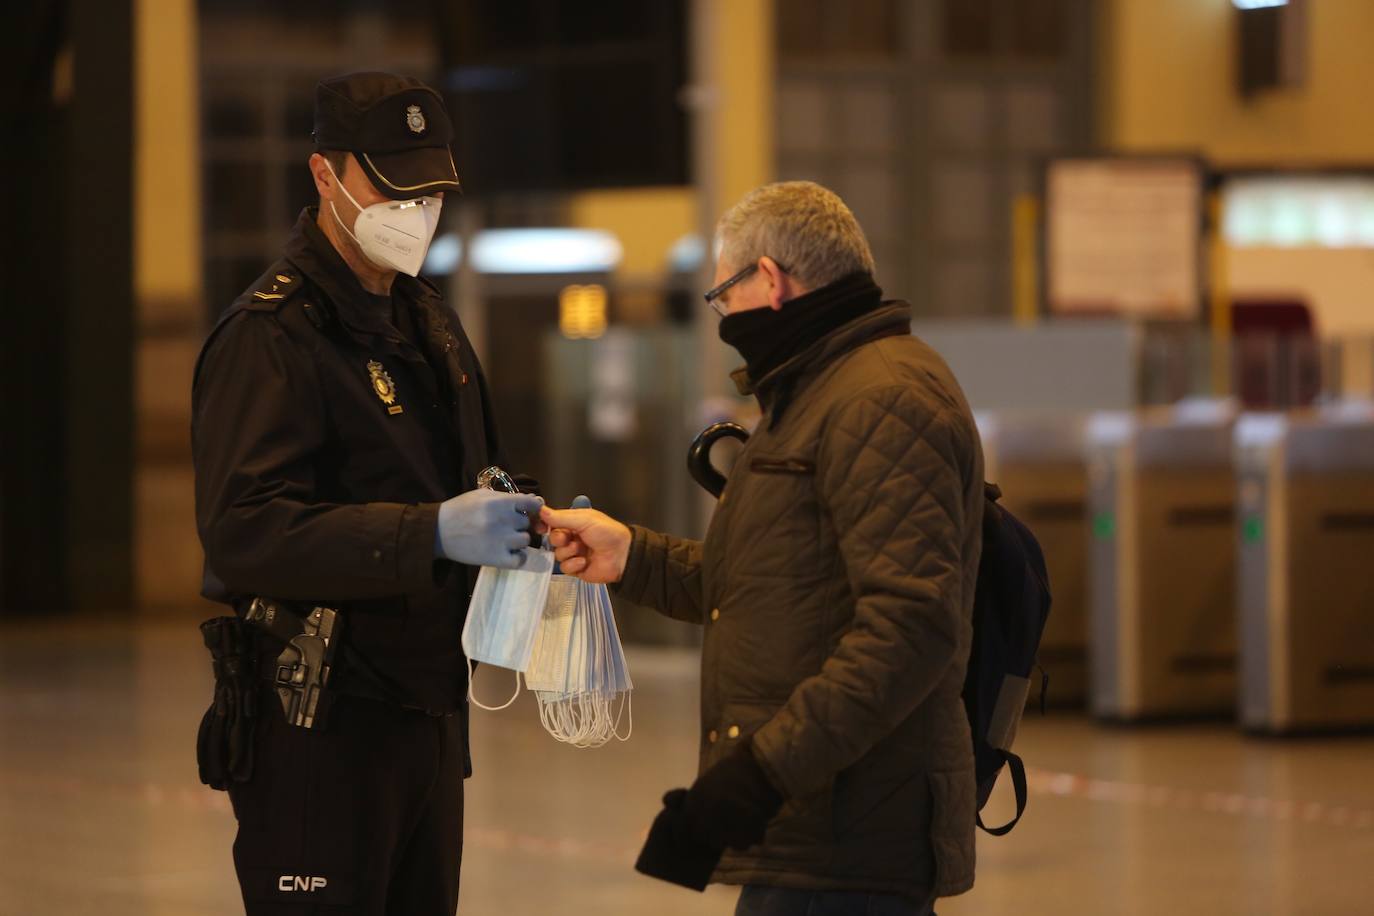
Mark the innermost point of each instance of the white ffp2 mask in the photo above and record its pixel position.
(393, 234)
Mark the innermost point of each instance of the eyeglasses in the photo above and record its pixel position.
(713, 295)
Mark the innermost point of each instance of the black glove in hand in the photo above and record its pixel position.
(671, 854)
(730, 805)
(732, 802)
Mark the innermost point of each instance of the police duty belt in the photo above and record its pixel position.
(303, 667)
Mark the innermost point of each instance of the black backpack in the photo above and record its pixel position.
(1010, 606)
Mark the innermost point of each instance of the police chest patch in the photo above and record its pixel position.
(384, 387)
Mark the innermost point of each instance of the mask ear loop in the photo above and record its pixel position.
(546, 714)
(479, 704)
(335, 210)
(600, 667)
(611, 713)
(595, 659)
(563, 719)
(627, 704)
(587, 705)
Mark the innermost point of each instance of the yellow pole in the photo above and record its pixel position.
(1025, 264)
(167, 170)
(1220, 299)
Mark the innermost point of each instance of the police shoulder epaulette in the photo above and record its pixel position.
(273, 288)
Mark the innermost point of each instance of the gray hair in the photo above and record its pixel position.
(806, 228)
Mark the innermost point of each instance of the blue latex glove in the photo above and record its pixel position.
(581, 502)
(486, 528)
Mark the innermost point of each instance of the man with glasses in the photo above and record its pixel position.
(835, 586)
(340, 422)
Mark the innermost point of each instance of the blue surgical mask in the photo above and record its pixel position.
(504, 615)
(551, 658)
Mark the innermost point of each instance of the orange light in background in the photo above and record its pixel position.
(582, 311)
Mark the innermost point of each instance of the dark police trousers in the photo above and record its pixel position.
(759, 900)
(364, 817)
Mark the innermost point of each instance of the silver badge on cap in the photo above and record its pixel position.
(415, 119)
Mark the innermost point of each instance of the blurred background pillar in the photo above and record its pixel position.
(37, 120)
(732, 99)
(68, 321)
(168, 279)
(732, 102)
(99, 335)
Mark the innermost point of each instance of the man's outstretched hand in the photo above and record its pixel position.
(588, 544)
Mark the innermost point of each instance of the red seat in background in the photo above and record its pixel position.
(1277, 361)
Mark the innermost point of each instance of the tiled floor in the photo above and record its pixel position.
(101, 812)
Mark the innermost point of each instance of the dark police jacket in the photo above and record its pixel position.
(324, 441)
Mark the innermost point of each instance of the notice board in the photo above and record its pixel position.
(1123, 236)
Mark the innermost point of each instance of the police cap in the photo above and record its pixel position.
(395, 126)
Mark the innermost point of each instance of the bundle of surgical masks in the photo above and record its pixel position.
(560, 633)
(577, 666)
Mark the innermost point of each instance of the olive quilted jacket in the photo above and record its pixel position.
(835, 585)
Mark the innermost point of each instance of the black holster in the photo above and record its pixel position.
(224, 746)
(310, 640)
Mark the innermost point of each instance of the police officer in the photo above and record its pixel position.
(340, 420)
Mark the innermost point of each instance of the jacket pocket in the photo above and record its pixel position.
(738, 719)
(952, 819)
(804, 822)
(797, 467)
(774, 516)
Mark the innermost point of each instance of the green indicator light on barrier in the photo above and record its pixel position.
(1104, 526)
(1252, 530)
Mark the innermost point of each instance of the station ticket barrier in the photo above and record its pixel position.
(1306, 570)
(1161, 563)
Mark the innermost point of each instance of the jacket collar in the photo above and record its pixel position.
(893, 318)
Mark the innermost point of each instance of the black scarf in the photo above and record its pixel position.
(767, 339)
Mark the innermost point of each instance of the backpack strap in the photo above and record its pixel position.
(1018, 781)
